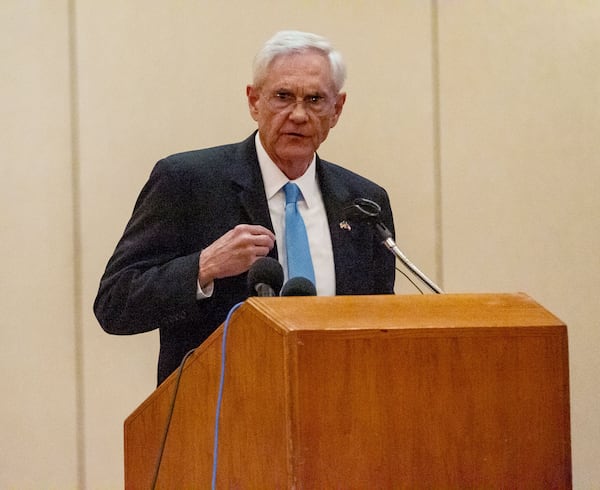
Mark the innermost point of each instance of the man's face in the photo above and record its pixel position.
(295, 107)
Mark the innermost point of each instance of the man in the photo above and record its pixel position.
(204, 217)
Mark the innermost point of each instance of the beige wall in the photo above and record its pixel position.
(493, 189)
(520, 119)
(38, 352)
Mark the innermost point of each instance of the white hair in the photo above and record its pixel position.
(289, 42)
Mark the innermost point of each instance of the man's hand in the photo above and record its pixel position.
(234, 252)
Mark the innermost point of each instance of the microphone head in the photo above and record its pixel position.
(299, 286)
(265, 270)
(363, 209)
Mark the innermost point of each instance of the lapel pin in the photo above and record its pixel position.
(344, 225)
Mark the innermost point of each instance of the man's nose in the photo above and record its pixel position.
(299, 110)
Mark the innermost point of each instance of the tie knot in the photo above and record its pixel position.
(291, 193)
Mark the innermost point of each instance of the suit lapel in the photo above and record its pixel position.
(248, 183)
(345, 239)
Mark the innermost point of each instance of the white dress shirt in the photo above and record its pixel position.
(312, 210)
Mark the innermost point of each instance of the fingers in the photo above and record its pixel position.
(256, 230)
(234, 252)
(252, 241)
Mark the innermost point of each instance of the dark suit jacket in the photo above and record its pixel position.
(189, 201)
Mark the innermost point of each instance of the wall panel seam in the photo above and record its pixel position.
(76, 233)
(437, 145)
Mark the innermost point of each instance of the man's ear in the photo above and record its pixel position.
(339, 105)
(253, 95)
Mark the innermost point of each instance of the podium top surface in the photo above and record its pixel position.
(405, 312)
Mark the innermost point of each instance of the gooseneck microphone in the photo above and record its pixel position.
(299, 286)
(265, 277)
(367, 210)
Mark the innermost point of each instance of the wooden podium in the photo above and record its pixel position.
(361, 392)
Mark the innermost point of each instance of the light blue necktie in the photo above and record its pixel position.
(299, 262)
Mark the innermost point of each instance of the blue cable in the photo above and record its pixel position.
(220, 397)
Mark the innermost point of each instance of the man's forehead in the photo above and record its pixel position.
(310, 70)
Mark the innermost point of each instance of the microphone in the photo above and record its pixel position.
(366, 210)
(265, 277)
(299, 286)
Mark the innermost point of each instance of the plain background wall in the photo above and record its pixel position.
(38, 381)
(480, 118)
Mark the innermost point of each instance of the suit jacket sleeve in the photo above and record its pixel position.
(150, 280)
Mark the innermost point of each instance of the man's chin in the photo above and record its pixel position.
(294, 164)
(297, 150)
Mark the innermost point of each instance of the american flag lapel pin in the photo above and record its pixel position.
(344, 225)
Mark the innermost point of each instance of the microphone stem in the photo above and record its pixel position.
(264, 290)
(389, 242)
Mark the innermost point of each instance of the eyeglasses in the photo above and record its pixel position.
(319, 105)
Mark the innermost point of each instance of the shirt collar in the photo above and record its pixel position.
(274, 179)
